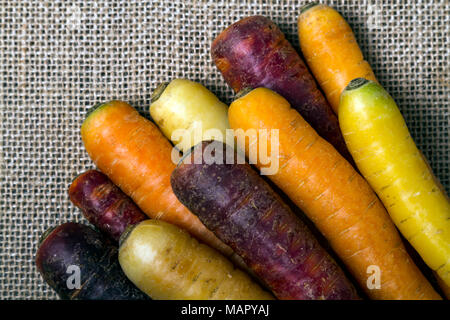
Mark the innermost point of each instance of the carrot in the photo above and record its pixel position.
(134, 154)
(74, 248)
(184, 105)
(388, 158)
(233, 201)
(334, 196)
(330, 50)
(253, 52)
(165, 262)
(103, 204)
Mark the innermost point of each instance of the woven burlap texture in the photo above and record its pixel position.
(58, 58)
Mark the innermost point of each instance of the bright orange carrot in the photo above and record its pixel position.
(334, 196)
(331, 51)
(135, 155)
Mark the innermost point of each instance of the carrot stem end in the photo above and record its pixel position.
(308, 6)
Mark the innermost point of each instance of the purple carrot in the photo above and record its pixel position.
(104, 204)
(234, 202)
(73, 250)
(253, 52)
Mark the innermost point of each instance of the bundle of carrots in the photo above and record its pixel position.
(188, 218)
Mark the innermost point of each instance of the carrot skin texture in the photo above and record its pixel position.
(253, 52)
(382, 146)
(331, 51)
(101, 277)
(167, 263)
(103, 204)
(235, 203)
(188, 105)
(135, 155)
(334, 196)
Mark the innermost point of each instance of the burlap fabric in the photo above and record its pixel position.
(58, 58)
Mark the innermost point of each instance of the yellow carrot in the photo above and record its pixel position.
(165, 262)
(331, 51)
(184, 105)
(378, 138)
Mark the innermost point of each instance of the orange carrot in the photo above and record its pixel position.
(331, 51)
(334, 196)
(135, 155)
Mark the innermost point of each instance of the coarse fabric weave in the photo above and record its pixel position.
(58, 58)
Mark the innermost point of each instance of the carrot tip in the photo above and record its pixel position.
(356, 83)
(45, 235)
(158, 91)
(82, 174)
(126, 233)
(79, 176)
(308, 6)
(95, 107)
(242, 93)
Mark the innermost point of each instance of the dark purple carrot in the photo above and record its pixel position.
(234, 202)
(253, 52)
(71, 250)
(104, 204)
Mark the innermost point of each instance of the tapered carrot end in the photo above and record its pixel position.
(158, 91)
(308, 6)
